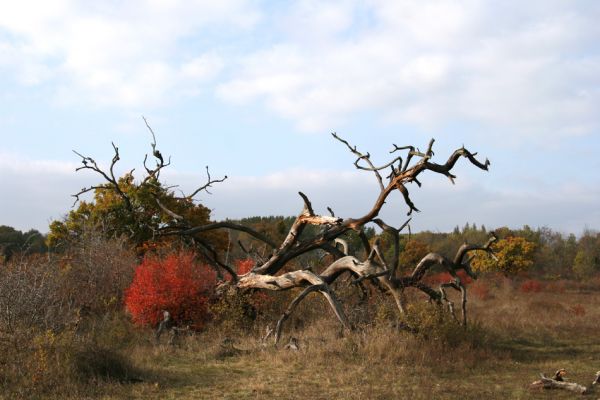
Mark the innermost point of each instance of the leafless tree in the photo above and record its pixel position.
(405, 168)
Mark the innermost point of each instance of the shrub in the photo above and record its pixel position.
(531, 286)
(62, 322)
(95, 272)
(444, 277)
(69, 363)
(244, 266)
(236, 311)
(177, 283)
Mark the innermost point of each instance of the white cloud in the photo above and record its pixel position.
(36, 191)
(527, 68)
(125, 54)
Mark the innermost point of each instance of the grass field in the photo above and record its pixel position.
(514, 336)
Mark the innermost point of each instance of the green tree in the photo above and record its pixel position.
(13, 241)
(584, 264)
(587, 258)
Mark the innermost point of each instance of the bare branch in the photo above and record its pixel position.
(209, 183)
(173, 215)
(365, 157)
(112, 182)
(226, 225)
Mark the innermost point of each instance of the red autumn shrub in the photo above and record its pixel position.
(244, 266)
(444, 277)
(531, 286)
(176, 283)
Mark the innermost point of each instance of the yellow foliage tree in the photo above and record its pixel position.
(414, 251)
(139, 221)
(514, 254)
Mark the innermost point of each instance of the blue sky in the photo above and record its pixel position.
(253, 89)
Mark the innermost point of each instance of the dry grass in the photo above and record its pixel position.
(513, 337)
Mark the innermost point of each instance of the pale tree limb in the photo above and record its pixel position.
(548, 383)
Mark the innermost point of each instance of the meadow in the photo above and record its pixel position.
(515, 333)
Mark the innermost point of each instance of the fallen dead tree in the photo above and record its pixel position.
(557, 382)
(405, 168)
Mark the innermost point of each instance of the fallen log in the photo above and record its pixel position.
(548, 383)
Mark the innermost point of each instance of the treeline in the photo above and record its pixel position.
(13, 241)
(555, 255)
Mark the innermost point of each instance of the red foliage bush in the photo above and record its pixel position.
(531, 286)
(176, 283)
(244, 266)
(443, 277)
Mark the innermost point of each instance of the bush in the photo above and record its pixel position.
(236, 311)
(531, 286)
(61, 322)
(244, 266)
(60, 364)
(445, 277)
(95, 272)
(177, 283)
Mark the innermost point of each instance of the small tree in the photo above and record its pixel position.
(584, 265)
(514, 254)
(176, 283)
(137, 209)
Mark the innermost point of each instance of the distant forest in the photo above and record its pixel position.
(555, 256)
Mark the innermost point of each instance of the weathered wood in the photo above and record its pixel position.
(303, 278)
(292, 344)
(164, 325)
(548, 383)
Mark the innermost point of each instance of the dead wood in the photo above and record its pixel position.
(548, 383)
(292, 344)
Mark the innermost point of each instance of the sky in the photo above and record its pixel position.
(253, 89)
